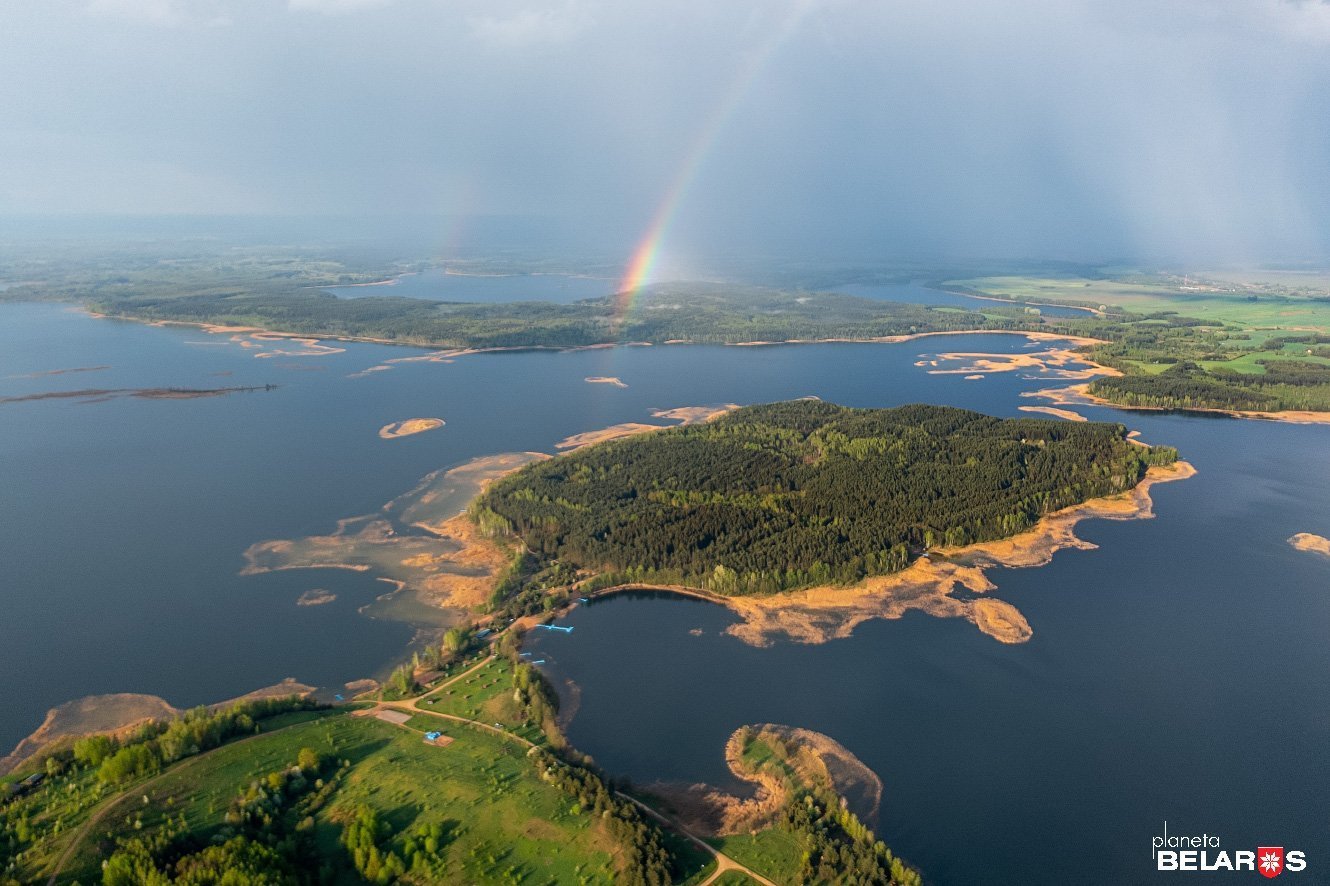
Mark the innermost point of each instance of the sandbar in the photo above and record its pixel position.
(406, 428)
(1060, 362)
(606, 380)
(101, 395)
(47, 372)
(1315, 544)
(316, 597)
(1060, 413)
(681, 415)
(447, 561)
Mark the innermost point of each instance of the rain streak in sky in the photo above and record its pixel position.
(1181, 130)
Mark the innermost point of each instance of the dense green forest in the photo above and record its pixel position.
(1285, 384)
(802, 493)
(696, 312)
(1175, 362)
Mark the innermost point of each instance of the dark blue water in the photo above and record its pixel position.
(437, 285)
(1176, 673)
(919, 294)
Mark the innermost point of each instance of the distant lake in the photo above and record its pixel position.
(1176, 673)
(437, 284)
(919, 294)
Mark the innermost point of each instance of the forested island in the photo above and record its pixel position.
(694, 312)
(799, 494)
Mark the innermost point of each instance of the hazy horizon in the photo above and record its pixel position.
(1189, 132)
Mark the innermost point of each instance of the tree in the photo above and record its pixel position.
(91, 751)
(457, 640)
(308, 760)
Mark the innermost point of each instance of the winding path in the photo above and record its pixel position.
(412, 705)
(114, 800)
(723, 862)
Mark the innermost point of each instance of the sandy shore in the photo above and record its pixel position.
(816, 760)
(1060, 362)
(817, 615)
(606, 380)
(118, 714)
(406, 428)
(445, 354)
(1054, 411)
(449, 564)
(1079, 395)
(1033, 335)
(1315, 544)
(682, 415)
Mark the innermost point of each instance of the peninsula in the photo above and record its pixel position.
(806, 499)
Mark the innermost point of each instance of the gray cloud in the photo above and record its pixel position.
(1191, 128)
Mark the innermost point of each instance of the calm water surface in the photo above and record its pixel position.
(1177, 673)
(919, 294)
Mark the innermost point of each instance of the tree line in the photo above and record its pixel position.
(790, 495)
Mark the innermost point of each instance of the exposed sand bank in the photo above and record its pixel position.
(1060, 362)
(817, 615)
(393, 430)
(449, 564)
(1033, 335)
(682, 415)
(316, 597)
(101, 395)
(46, 372)
(816, 761)
(110, 714)
(1054, 411)
(1315, 544)
(264, 342)
(1079, 395)
(118, 714)
(606, 380)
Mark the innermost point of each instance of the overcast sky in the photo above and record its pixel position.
(1170, 128)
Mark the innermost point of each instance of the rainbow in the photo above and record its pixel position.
(645, 256)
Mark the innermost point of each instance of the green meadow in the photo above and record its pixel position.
(498, 820)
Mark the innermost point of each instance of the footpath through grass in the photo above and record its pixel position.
(500, 822)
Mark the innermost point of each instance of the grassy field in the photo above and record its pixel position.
(60, 809)
(734, 878)
(1264, 308)
(486, 694)
(1206, 341)
(773, 853)
(501, 822)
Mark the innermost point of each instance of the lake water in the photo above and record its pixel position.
(1177, 673)
(918, 293)
(436, 284)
